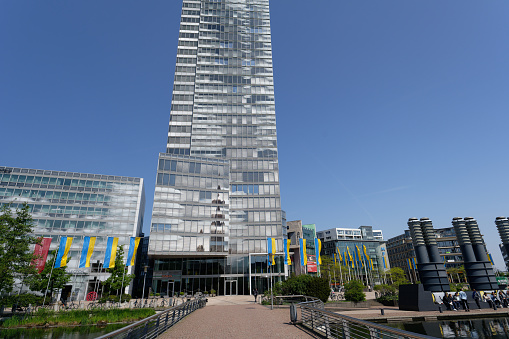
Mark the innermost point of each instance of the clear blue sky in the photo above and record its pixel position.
(385, 109)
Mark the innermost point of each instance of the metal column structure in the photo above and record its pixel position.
(503, 230)
(429, 263)
(478, 267)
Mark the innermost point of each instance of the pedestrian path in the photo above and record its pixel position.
(236, 317)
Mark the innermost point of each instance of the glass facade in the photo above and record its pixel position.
(78, 205)
(221, 143)
(346, 239)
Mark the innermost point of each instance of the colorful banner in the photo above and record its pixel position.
(41, 253)
(385, 264)
(414, 263)
(311, 264)
(350, 257)
(133, 249)
(111, 252)
(491, 259)
(86, 251)
(286, 247)
(303, 254)
(63, 251)
(318, 249)
(271, 250)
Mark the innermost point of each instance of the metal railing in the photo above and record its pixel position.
(155, 325)
(333, 325)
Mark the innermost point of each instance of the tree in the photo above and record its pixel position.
(59, 277)
(354, 291)
(398, 277)
(16, 238)
(118, 273)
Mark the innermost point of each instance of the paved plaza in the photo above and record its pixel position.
(240, 317)
(236, 317)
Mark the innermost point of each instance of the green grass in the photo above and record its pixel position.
(77, 317)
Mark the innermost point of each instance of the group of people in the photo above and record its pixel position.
(460, 300)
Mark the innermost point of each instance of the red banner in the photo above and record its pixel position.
(312, 264)
(41, 252)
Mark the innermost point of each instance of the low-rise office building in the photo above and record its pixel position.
(77, 205)
(347, 240)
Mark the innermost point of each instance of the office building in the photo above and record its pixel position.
(217, 191)
(77, 205)
(344, 240)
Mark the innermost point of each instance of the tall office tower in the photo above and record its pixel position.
(217, 192)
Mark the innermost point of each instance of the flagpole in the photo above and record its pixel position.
(51, 273)
(122, 289)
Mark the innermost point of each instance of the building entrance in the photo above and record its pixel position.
(230, 287)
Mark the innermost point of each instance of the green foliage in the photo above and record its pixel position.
(303, 285)
(398, 277)
(24, 300)
(354, 291)
(115, 298)
(79, 317)
(59, 277)
(114, 282)
(212, 291)
(458, 287)
(15, 240)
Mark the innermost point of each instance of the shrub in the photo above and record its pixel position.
(212, 291)
(303, 285)
(23, 300)
(353, 291)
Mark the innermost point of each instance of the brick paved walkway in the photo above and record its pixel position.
(233, 319)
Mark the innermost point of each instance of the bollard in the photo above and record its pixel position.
(382, 311)
(440, 309)
(293, 313)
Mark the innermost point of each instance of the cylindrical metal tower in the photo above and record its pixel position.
(478, 267)
(431, 268)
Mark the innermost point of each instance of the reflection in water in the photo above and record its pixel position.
(472, 328)
(78, 332)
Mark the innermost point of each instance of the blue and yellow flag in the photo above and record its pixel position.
(286, 247)
(63, 251)
(414, 263)
(385, 264)
(359, 257)
(491, 259)
(271, 250)
(111, 252)
(86, 252)
(133, 248)
(303, 254)
(318, 249)
(350, 257)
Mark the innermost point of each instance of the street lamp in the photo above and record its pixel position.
(145, 268)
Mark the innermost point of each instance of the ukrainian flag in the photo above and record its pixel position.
(111, 252)
(318, 249)
(133, 248)
(303, 254)
(63, 251)
(491, 259)
(271, 250)
(286, 245)
(86, 252)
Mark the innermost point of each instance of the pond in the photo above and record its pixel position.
(467, 328)
(77, 332)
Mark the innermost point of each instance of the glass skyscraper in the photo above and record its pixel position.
(217, 192)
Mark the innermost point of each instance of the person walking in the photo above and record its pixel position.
(464, 301)
(477, 298)
(255, 293)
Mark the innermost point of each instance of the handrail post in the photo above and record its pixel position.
(346, 330)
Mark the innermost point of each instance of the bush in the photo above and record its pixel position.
(115, 298)
(212, 291)
(303, 285)
(23, 300)
(354, 291)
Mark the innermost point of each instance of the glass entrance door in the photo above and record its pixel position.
(230, 287)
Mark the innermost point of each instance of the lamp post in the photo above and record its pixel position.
(145, 268)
